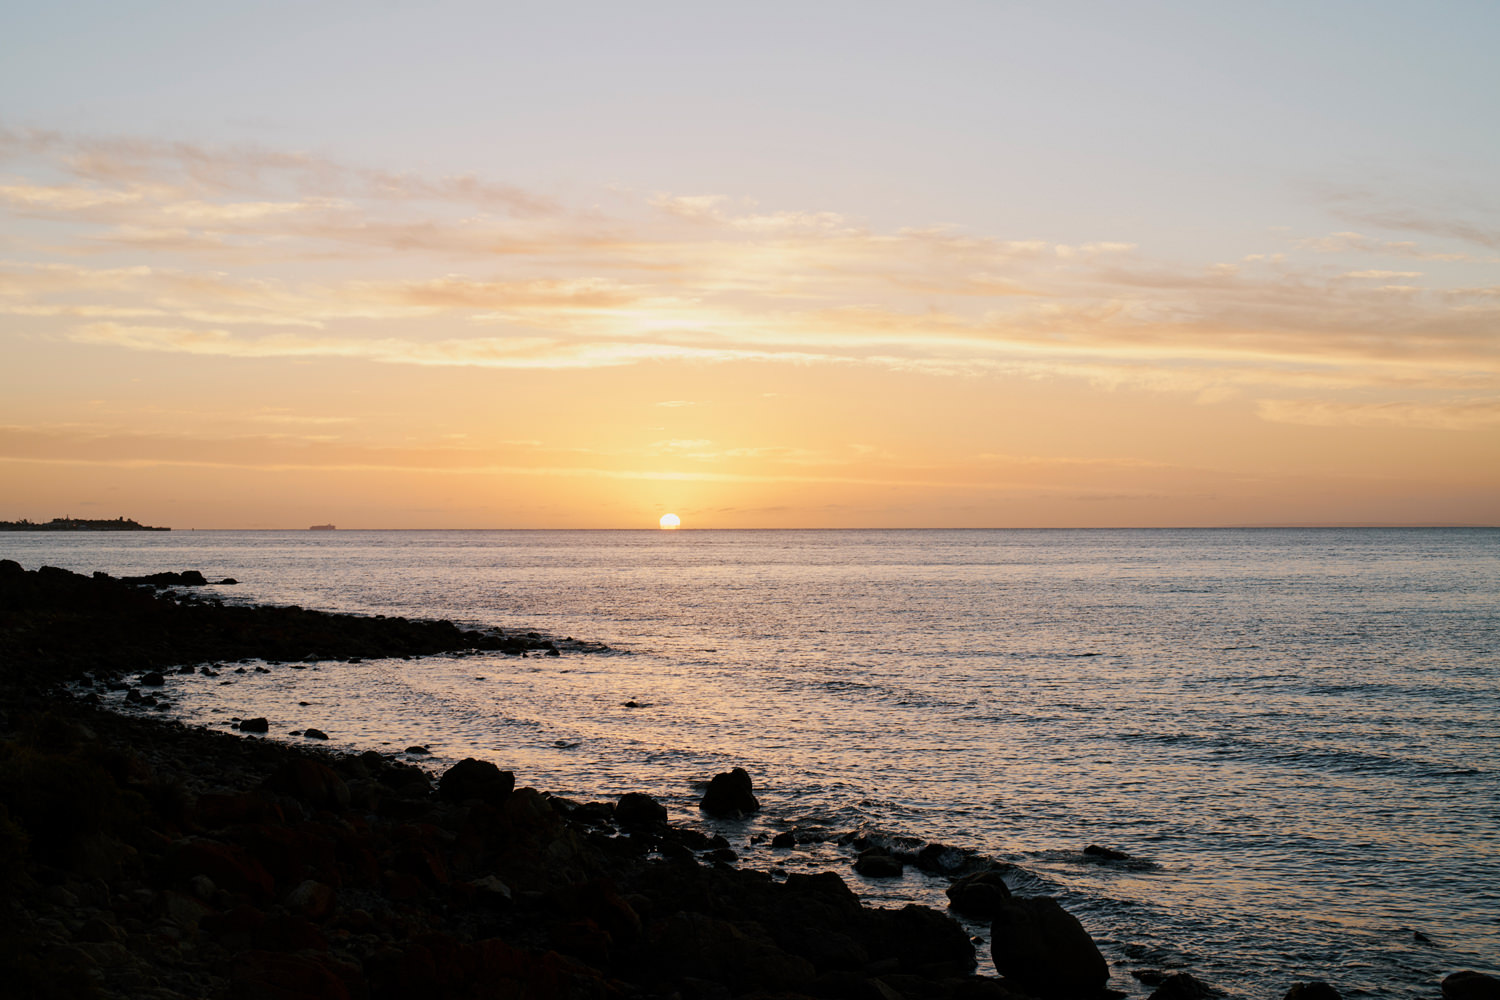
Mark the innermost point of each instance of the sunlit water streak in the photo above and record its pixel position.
(1297, 732)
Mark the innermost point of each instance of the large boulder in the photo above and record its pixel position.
(1045, 949)
(921, 940)
(639, 809)
(730, 795)
(979, 895)
(476, 779)
(1468, 985)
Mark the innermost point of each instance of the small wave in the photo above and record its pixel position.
(1346, 761)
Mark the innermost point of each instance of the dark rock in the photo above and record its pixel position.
(1312, 991)
(730, 795)
(1045, 949)
(187, 578)
(314, 734)
(1105, 853)
(1183, 986)
(784, 839)
(229, 866)
(710, 948)
(920, 939)
(416, 749)
(312, 899)
(152, 679)
(309, 782)
(269, 974)
(978, 895)
(476, 779)
(1469, 985)
(944, 860)
(639, 809)
(258, 725)
(878, 866)
(228, 581)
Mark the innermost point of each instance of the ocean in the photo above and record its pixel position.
(1294, 734)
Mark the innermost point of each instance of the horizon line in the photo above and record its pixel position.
(1263, 526)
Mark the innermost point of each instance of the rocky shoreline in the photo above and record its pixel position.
(143, 858)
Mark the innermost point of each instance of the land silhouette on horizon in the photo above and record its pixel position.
(78, 524)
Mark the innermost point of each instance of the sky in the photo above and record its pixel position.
(577, 265)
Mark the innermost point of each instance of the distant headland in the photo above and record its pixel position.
(77, 524)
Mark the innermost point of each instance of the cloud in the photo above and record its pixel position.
(1450, 415)
(1348, 242)
(259, 254)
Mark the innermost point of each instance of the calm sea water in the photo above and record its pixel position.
(1295, 733)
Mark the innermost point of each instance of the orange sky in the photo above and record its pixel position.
(274, 330)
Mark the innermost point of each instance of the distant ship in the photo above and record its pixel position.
(321, 527)
(77, 524)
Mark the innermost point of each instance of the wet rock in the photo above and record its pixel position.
(314, 734)
(1183, 986)
(152, 679)
(1470, 985)
(1045, 949)
(784, 840)
(416, 749)
(878, 865)
(639, 809)
(1105, 853)
(979, 895)
(730, 795)
(476, 779)
(257, 725)
(941, 859)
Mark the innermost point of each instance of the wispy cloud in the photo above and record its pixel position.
(1446, 415)
(335, 261)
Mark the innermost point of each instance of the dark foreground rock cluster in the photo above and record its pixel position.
(146, 859)
(56, 624)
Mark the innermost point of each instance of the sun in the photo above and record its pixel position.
(670, 521)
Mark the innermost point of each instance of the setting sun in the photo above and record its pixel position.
(670, 521)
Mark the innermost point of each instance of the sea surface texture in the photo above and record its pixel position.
(1295, 734)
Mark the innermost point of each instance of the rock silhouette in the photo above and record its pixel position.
(1044, 948)
(730, 795)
